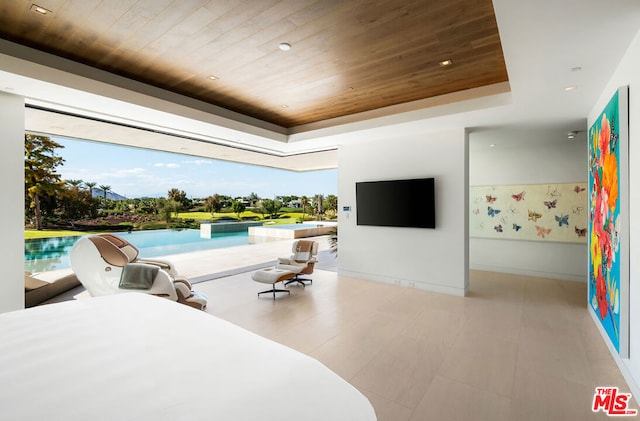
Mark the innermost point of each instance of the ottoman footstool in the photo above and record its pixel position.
(272, 276)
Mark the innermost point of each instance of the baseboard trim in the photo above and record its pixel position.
(534, 273)
(406, 283)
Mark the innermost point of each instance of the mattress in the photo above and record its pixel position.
(138, 357)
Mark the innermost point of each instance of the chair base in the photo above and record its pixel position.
(274, 290)
(298, 280)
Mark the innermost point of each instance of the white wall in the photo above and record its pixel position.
(435, 260)
(12, 209)
(628, 73)
(527, 156)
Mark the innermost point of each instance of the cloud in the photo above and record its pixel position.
(198, 162)
(130, 171)
(166, 165)
(122, 173)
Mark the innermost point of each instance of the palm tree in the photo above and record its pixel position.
(333, 241)
(304, 200)
(74, 183)
(90, 185)
(105, 189)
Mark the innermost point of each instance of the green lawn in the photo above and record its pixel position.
(286, 218)
(29, 233)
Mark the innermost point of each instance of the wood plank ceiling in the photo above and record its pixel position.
(347, 56)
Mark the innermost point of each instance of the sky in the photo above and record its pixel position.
(134, 172)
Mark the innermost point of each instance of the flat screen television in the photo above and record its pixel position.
(396, 203)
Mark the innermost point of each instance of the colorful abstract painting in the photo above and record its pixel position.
(532, 212)
(608, 275)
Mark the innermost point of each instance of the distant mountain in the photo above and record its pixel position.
(110, 195)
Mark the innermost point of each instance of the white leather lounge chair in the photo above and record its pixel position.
(107, 264)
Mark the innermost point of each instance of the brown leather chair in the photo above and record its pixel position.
(301, 262)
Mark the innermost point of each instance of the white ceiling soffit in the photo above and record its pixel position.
(74, 127)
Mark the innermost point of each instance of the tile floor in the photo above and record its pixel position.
(516, 348)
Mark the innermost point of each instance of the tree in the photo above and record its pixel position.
(90, 185)
(160, 205)
(174, 206)
(148, 206)
(74, 183)
(180, 197)
(330, 202)
(76, 204)
(304, 200)
(104, 190)
(318, 203)
(165, 212)
(40, 178)
(213, 204)
(272, 207)
(260, 208)
(238, 207)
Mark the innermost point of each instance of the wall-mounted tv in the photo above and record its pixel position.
(396, 203)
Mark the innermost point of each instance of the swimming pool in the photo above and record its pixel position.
(44, 254)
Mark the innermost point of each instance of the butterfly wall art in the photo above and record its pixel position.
(562, 220)
(532, 212)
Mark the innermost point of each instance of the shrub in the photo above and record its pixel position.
(152, 225)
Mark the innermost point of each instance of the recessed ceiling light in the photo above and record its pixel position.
(570, 88)
(284, 46)
(492, 145)
(572, 134)
(284, 106)
(212, 77)
(445, 63)
(39, 9)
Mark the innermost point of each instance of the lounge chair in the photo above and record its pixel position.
(107, 264)
(301, 262)
(39, 287)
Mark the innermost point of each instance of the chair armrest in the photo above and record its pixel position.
(284, 260)
(163, 284)
(162, 264)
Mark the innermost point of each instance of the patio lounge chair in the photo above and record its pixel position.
(39, 287)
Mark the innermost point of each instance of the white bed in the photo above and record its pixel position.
(138, 357)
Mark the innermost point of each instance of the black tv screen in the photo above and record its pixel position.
(396, 203)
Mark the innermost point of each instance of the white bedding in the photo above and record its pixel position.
(137, 357)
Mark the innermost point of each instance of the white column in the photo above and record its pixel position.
(12, 120)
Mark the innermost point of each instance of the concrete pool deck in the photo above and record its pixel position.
(205, 265)
(201, 264)
(308, 229)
